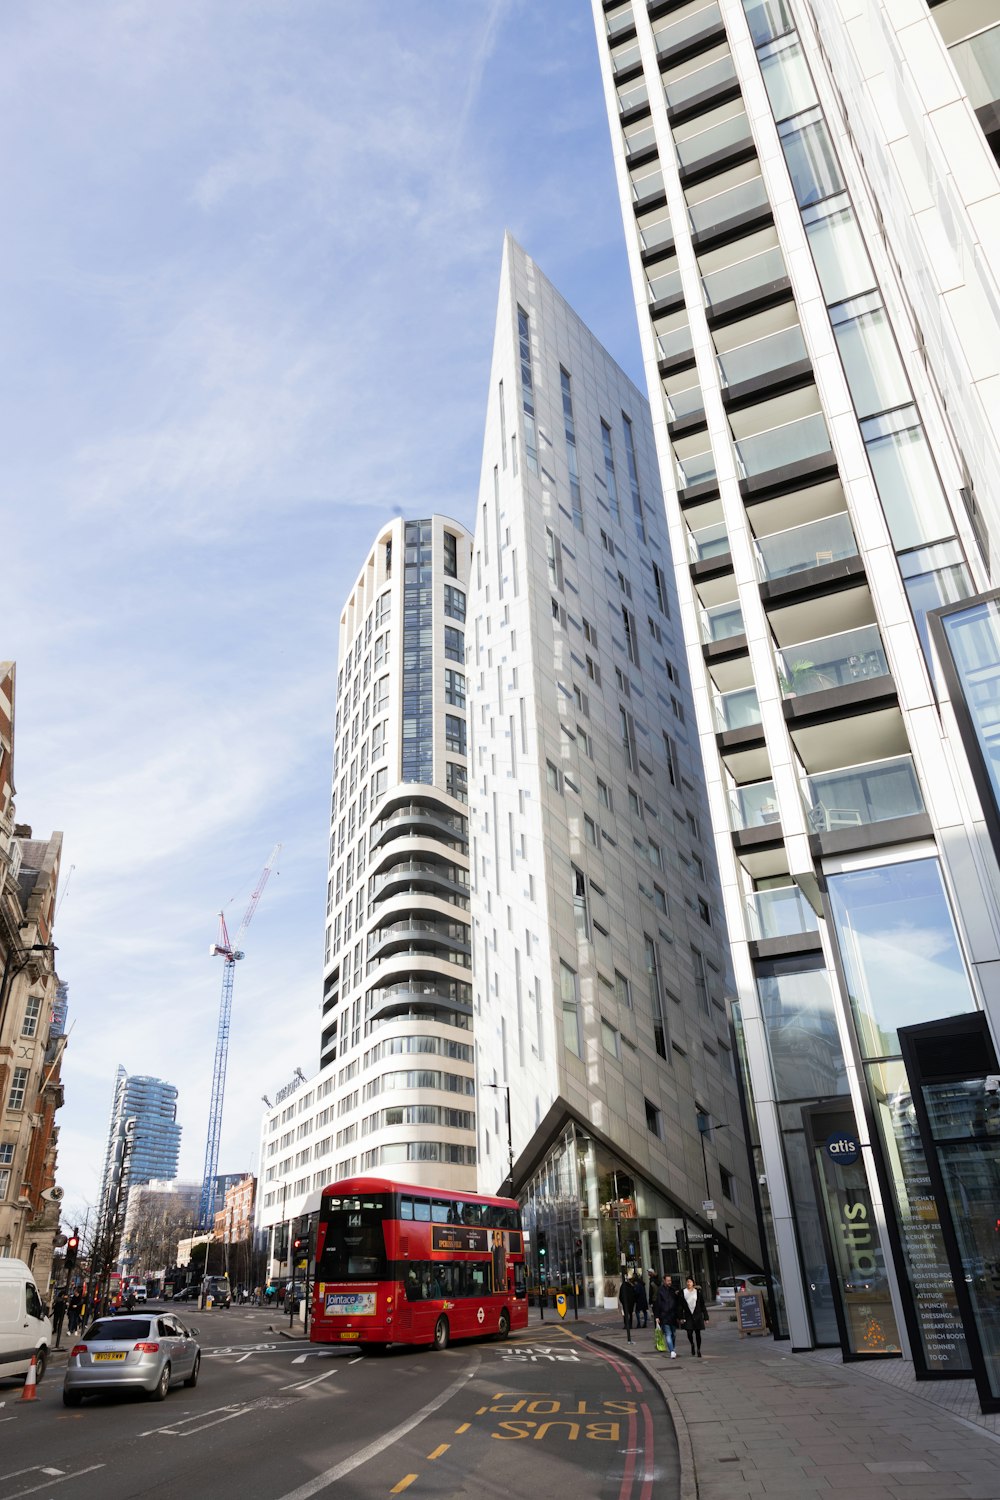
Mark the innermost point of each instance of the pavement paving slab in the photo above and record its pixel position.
(754, 1422)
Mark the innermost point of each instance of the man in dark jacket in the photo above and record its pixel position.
(641, 1300)
(666, 1311)
(626, 1301)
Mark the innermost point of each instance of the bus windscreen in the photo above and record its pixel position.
(354, 1248)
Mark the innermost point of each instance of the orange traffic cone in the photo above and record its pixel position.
(30, 1392)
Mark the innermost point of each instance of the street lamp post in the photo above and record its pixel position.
(704, 1130)
(505, 1088)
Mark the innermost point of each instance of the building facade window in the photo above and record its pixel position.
(527, 391)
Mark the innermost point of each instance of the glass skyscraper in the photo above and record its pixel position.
(144, 1112)
(810, 193)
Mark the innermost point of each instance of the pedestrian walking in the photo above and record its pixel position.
(666, 1311)
(74, 1313)
(58, 1316)
(641, 1301)
(626, 1301)
(652, 1288)
(695, 1314)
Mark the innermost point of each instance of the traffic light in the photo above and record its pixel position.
(543, 1251)
(302, 1243)
(72, 1247)
(578, 1250)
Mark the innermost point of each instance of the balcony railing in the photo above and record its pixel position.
(744, 276)
(762, 356)
(702, 81)
(790, 443)
(827, 540)
(729, 204)
(697, 468)
(453, 873)
(720, 137)
(855, 796)
(708, 541)
(631, 95)
(619, 21)
(721, 623)
(782, 911)
(625, 57)
(977, 63)
(639, 137)
(832, 661)
(753, 806)
(737, 710)
(647, 186)
(674, 342)
(691, 26)
(656, 233)
(667, 284)
(458, 932)
(685, 403)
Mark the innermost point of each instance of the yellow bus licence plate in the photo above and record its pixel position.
(108, 1356)
(350, 1335)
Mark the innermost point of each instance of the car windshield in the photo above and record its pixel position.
(116, 1330)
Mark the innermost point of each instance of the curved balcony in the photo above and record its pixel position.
(452, 936)
(421, 819)
(430, 876)
(418, 998)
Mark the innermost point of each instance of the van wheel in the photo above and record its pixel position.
(503, 1327)
(41, 1360)
(442, 1334)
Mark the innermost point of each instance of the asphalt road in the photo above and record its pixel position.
(545, 1414)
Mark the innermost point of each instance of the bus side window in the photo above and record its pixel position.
(441, 1213)
(406, 1208)
(422, 1210)
(472, 1213)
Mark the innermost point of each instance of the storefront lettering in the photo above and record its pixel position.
(856, 1235)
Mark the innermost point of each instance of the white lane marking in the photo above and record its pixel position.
(49, 1483)
(243, 1357)
(331, 1476)
(305, 1384)
(315, 1354)
(356, 1359)
(180, 1421)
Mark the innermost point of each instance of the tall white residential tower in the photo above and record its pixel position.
(811, 206)
(396, 1089)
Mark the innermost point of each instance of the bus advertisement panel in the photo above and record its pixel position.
(409, 1265)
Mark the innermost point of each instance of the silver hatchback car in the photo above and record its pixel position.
(139, 1351)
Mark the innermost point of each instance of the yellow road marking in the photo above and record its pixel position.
(403, 1484)
(441, 1448)
(464, 1428)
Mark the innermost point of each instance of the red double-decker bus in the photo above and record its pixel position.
(397, 1264)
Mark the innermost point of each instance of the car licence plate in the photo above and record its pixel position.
(96, 1357)
(350, 1335)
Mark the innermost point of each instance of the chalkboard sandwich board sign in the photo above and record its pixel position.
(750, 1313)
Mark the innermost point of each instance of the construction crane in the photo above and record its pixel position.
(230, 953)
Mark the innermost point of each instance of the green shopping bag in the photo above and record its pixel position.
(660, 1340)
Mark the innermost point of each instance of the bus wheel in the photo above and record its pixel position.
(442, 1334)
(503, 1327)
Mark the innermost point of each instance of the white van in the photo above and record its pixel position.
(25, 1329)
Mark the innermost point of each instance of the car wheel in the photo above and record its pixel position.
(192, 1379)
(72, 1398)
(41, 1361)
(503, 1327)
(162, 1385)
(442, 1334)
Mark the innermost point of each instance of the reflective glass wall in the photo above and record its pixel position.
(902, 965)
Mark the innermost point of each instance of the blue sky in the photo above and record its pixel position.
(250, 264)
